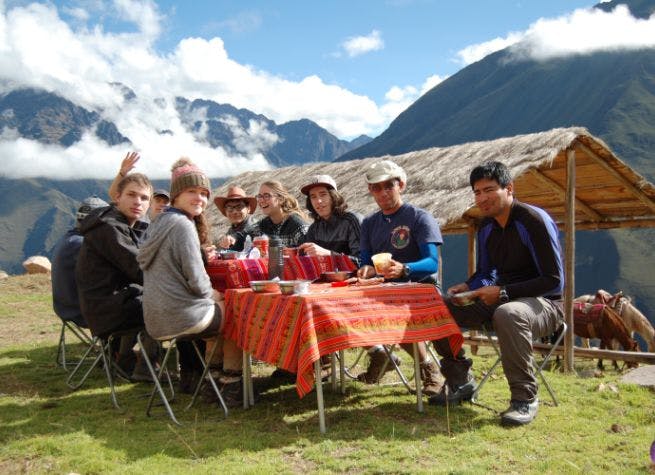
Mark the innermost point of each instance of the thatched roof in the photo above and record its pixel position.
(608, 192)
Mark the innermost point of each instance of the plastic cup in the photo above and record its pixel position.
(381, 261)
(261, 243)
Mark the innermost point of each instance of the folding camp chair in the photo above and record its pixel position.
(156, 375)
(539, 369)
(82, 335)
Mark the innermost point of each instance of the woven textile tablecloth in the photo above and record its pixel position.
(237, 273)
(293, 331)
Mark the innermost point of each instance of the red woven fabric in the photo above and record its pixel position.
(293, 331)
(237, 273)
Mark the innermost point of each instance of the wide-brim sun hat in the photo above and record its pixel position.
(319, 180)
(235, 192)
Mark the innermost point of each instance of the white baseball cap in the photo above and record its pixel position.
(383, 171)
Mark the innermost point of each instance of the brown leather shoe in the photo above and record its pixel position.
(432, 379)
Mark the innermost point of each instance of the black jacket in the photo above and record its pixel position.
(108, 276)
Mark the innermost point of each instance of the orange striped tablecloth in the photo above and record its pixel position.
(237, 273)
(293, 331)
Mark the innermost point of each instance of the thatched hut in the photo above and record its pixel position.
(560, 170)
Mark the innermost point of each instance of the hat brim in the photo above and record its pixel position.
(381, 178)
(220, 201)
(305, 189)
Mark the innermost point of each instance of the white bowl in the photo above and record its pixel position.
(264, 285)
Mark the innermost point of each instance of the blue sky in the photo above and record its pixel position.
(350, 66)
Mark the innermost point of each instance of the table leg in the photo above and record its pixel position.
(251, 389)
(319, 396)
(342, 372)
(333, 372)
(244, 378)
(417, 379)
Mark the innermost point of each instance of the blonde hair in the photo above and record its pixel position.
(289, 202)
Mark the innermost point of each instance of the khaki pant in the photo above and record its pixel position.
(517, 324)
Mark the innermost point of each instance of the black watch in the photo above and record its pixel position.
(406, 270)
(502, 295)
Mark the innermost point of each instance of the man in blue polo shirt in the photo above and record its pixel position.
(517, 288)
(411, 235)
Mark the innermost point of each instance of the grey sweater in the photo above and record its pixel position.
(177, 292)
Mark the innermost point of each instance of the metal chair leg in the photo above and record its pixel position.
(210, 378)
(156, 377)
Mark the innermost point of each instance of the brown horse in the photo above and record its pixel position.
(601, 321)
(635, 321)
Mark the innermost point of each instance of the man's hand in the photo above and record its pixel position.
(312, 249)
(129, 162)
(457, 288)
(226, 241)
(366, 272)
(488, 295)
(394, 270)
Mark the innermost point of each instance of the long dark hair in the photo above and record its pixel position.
(339, 204)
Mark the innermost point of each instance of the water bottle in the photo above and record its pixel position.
(275, 258)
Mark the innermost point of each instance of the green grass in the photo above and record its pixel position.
(45, 427)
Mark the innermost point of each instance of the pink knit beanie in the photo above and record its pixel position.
(186, 174)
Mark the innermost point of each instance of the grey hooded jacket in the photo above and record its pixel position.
(177, 292)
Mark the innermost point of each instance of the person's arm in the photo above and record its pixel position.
(128, 163)
(188, 251)
(543, 244)
(484, 274)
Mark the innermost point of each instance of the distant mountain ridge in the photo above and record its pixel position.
(35, 212)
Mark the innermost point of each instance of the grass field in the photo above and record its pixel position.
(601, 425)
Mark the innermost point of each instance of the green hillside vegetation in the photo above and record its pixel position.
(601, 425)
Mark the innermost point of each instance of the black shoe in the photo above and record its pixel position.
(188, 380)
(453, 396)
(283, 375)
(232, 394)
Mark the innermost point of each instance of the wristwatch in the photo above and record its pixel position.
(502, 295)
(406, 271)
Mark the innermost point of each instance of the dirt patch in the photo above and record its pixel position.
(26, 315)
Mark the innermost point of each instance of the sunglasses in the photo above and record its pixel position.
(230, 208)
(387, 186)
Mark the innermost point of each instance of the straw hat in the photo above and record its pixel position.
(235, 192)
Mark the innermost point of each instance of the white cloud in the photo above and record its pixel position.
(583, 31)
(358, 45)
(79, 61)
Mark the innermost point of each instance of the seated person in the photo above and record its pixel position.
(411, 235)
(334, 229)
(283, 217)
(108, 277)
(238, 209)
(65, 300)
(178, 296)
(518, 289)
(160, 200)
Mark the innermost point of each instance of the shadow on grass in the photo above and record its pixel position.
(37, 403)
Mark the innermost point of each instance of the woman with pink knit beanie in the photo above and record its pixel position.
(178, 299)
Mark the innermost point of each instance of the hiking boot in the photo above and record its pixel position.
(232, 394)
(378, 361)
(460, 383)
(454, 395)
(519, 413)
(283, 376)
(432, 379)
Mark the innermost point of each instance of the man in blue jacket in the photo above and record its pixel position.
(517, 288)
(64, 288)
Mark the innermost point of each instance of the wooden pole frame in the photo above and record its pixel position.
(569, 259)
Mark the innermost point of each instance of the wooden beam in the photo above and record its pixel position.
(569, 259)
(562, 193)
(632, 356)
(624, 181)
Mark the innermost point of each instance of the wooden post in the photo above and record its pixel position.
(472, 249)
(569, 263)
